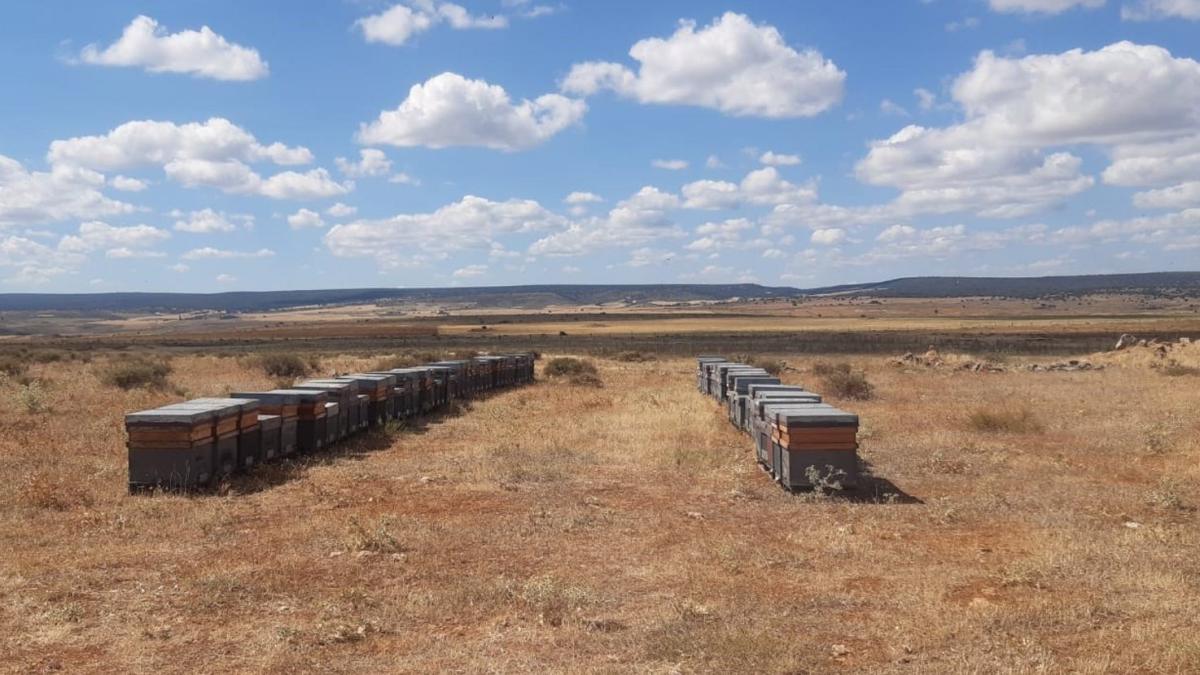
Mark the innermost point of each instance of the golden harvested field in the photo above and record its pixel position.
(618, 529)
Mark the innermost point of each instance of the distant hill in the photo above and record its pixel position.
(1151, 283)
(485, 296)
(535, 296)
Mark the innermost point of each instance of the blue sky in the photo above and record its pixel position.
(208, 146)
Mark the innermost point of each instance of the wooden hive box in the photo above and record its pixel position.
(170, 448)
(741, 388)
(311, 429)
(249, 439)
(270, 428)
(442, 378)
(458, 382)
(379, 389)
(773, 458)
(335, 423)
(723, 371)
(345, 394)
(702, 363)
(226, 431)
(284, 405)
(815, 441)
(405, 391)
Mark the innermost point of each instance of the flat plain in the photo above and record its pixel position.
(1014, 521)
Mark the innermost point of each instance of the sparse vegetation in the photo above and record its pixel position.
(1005, 421)
(633, 357)
(135, 372)
(840, 380)
(581, 372)
(31, 397)
(1175, 369)
(285, 366)
(12, 365)
(559, 528)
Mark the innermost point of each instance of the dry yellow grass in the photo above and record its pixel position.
(617, 529)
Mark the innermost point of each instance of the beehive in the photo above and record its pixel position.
(815, 443)
(226, 430)
(378, 388)
(345, 394)
(170, 448)
(284, 404)
(249, 436)
(270, 427)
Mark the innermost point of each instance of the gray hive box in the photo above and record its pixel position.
(409, 390)
(310, 418)
(771, 450)
(738, 384)
(442, 378)
(817, 438)
(364, 411)
(458, 382)
(269, 430)
(712, 385)
(379, 388)
(286, 406)
(724, 370)
(756, 388)
(335, 424)
(345, 395)
(249, 440)
(702, 370)
(226, 422)
(170, 448)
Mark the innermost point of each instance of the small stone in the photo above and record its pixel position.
(839, 651)
(1132, 525)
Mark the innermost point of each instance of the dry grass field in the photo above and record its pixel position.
(1016, 522)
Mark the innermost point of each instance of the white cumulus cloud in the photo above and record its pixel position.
(305, 218)
(399, 23)
(1041, 6)
(1148, 10)
(732, 65)
(202, 53)
(451, 110)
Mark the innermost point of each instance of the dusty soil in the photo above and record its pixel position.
(616, 529)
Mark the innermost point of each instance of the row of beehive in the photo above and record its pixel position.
(799, 440)
(194, 443)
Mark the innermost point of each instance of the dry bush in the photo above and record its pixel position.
(840, 380)
(1002, 421)
(575, 371)
(633, 357)
(772, 366)
(1174, 369)
(132, 373)
(12, 365)
(47, 491)
(31, 397)
(377, 539)
(286, 366)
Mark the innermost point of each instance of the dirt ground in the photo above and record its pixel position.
(623, 528)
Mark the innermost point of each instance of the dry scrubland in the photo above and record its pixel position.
(1021, 522)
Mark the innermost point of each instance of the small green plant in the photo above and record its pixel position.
(32, 397)
(1168, 494)
(1005, 421)
(284, 365)
(378, 539)
(132, 373)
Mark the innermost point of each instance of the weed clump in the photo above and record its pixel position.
(284, 365)
(1014, 421)
(1176, 369)
(842, 381)
(579, 372)
(633, 357)
(132, 373)
(12, 365)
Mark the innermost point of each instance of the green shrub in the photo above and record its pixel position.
(136, 372)
(284, 365)
(1010, 421)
